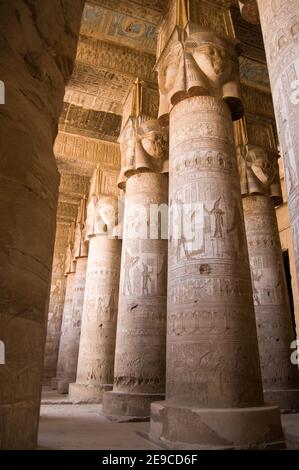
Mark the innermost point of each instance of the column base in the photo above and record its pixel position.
(85, 393)
(63, 387)
(287, 400)
(129, 406)
(179, 427)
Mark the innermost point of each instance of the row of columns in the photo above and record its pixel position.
(228, 322)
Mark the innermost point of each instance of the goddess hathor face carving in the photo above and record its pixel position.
(261, 165)
(212, 59)
(154, 143)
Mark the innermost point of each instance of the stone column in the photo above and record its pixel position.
(139, 376)
(280, 26)
(38, 45)
(214, 396)
(57, 296)
(70, 270)
(260, 187)
(74, 326)
(97, 342)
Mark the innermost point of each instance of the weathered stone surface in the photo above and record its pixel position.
(57, 296)
(139, 375)
(212, 348)
(272, 310)
(73, 327)
(280, 27)
(66, 322)
(97, 342)
(38, 45)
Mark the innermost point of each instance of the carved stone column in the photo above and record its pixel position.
(139, 376)
(70, 270)
(280, 26)
(57, 296)
(74, 327)
(214, 395)
(35, 64)
(260, 187)
(97, 342)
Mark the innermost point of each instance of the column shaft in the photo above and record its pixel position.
(139, 376)
(66, 322)
(57, 296)
(38, 47)
(280, 27)
(97, 343)
(73, 328)
(272, 310)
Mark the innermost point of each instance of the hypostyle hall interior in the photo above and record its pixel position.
(149, 234)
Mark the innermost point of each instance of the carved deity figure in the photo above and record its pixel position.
(130, 261)
(259, 171)
(218, 214)
(146, 279)
(144, 146)
(202, 65)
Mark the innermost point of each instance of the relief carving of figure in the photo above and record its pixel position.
(130, 261)
(218, 214)
(146, 279)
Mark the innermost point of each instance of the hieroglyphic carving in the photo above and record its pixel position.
(280, 26)
(209, 279)
(272, 310)
(140, 342)
(97, 342)
(113, 25)
(102, 55)
(140, 345)
(89, 123)
(260, 187)
(57, 295)
(84, 154)
(72, 323)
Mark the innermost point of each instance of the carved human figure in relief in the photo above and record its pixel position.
(130, 261)
(146, 279)
(218, 214)
(204, 65)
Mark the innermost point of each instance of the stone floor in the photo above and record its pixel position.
(64, 426)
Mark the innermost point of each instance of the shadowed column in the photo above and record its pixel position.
(260, 187)
(74, 326)
(38, 48)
